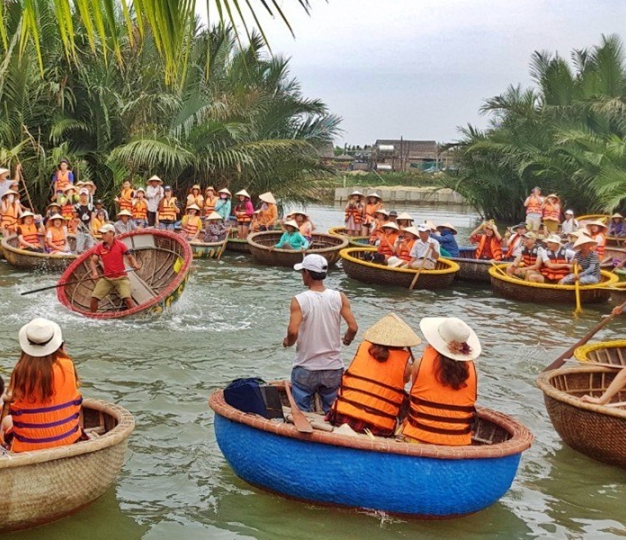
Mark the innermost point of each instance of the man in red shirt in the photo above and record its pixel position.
(111, 252)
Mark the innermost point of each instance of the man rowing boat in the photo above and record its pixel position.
(111, 253)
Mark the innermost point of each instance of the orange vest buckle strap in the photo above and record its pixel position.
(35, 426)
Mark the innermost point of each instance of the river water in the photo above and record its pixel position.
(230, 323)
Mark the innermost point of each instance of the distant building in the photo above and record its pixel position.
(392, 155)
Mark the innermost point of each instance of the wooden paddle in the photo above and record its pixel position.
(496, 265)
(67, 283)
(568, 353)
(299, 420)
(223, 246)
(579, 308)
(419, 270)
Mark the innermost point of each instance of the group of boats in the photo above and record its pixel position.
(320, 464)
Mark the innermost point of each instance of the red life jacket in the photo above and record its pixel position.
(387, 241)
(555, 258)
(140, 209)
(495, 248)
(404, 249)
(534, 206)
(356, 212)
(30, 234)
(552, 212)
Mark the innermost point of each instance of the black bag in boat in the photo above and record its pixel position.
(254, 395)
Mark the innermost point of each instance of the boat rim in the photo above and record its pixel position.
(347, 255)
(6, 245)
(343, 245)
(498, 272)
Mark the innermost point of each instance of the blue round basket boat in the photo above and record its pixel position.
(420, 480)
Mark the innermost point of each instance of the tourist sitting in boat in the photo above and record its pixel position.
(215, 230)
(551, 214)
(195, 197)
(125, 198)
(426, 251)
(244, 210)
(124, 223)
(223, 204)
(404, 220)
(616, 226)
(489, 242)
(393, 216)
(99, 219)
(62, 178)
(30, 234)
(527, 262)
(110, 253)
(268, 213)
(447, 240)
(597, 230)
(73, 222)
(191, 223)
(291, 238)
(402, 248)
(569, 224)
(387, 239)
(617, 385)
(43, 396)
(556, 261)
(168, 210)
(445, 384)
(57, 234)
(69, 199)
(354, 214)
(380, 218)
(52, 209)
(10, 210)
(372, 388)
(140, 209)
(210, 200)
(99, 204)
(586, 263)
(374, 204)
(513, 241)
(305, 225)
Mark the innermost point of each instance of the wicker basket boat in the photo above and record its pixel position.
(353, 241)
(518, 289)
(29, 260)
(235, 244)
(208, 250)
(597, 431)
(46, 485)
(358, 268)
(606, 218)
(165, 258)
(471, 269)
(603, 352)
(413, 479)
(323, 244)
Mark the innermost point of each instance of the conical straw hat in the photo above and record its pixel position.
(392, 331)
(214, 215)
(268, 198)
(242, 192)
(404, 216)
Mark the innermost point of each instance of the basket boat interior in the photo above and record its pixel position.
(319, 241)
(582, 382)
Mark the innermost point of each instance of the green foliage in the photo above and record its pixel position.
(567, 135)
(242, 124)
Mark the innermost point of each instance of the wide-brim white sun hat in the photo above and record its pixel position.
(451, 337)
(40, 337)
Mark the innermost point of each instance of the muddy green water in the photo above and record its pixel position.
(230, 323)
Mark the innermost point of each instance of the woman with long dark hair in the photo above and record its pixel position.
(444, 387)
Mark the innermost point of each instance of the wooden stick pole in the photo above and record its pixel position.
(300, 421)
(417, 274)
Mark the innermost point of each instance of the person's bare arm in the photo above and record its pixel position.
(295, 319)
(133, 262)
(93, 265)
(616, 385)
(348, 316)
(416, 367)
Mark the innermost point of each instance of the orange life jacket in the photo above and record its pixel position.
(404, 249)
(58, 237)
(268, 216)
(198, 200)
(439, 414)
(140, 209)
(534, 206)
(552, 212)
(241, 213)
(495, 244)
(38, 424)
(599, 249)
(209, 204)
(371, 209)
(354, 211)
(125, 199)
(67, 210)
(168, 209)
(387, 240)
(376, 230)
(10, 216)
(373, 391)
(30, 234)
(72, 225)
(555, 258)
(529, 256)
(191, 225)
(62, 179)
(514, 242)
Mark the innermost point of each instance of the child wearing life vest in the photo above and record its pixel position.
(354, 214)
(387, 239)
(445, 385)
(372, 388)
(73, 223)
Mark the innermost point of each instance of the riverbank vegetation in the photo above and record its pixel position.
(236, 117)
(567, 135)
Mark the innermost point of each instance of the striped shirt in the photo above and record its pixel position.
(590, 264)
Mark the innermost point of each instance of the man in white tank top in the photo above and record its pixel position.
(315, 327)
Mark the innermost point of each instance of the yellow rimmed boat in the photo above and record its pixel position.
(355, 265)
(518, 289)
(606, 218)
(31, 260)
(603, 352)
(354, 241)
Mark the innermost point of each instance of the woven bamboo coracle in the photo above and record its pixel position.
(603, 352)
(235, 244)
(323, 244)
(518, 289)
(597, 431)
(207, 250)
(471, 269)
(29, 260)
(353, 241)
(357, 268)
(46, 485)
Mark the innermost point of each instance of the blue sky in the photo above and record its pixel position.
(421, 68)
